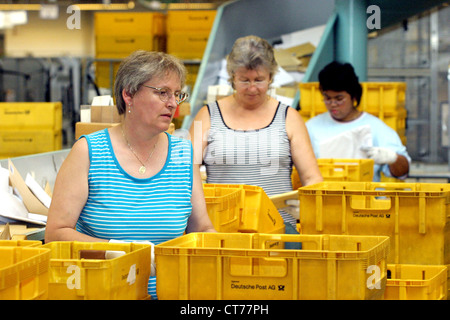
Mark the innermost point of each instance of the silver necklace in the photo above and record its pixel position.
(142, 169)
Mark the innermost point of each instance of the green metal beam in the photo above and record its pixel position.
(351, 35)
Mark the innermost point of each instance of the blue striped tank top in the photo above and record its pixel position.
(258, 157)
(122, 207)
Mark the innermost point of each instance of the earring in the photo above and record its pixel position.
(129, 107)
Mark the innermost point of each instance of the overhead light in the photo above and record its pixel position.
(12, 18)
(49, 11)
(18, 17)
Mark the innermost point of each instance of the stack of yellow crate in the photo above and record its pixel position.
(385, 100)
(188, 32)
(117, 34)
(414, 215)
(340, 170)
(29, 128)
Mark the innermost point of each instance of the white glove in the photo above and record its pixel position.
(152, 253)
(380, 155)
(293, 208)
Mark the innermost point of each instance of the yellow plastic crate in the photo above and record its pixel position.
(30, 115)
(416, 282)
(259, 214)
(414, 215)
(377, 97)
(112, 44)
(102, 73)
(311, 99)
(122, 278)
(394, 120)
(24, 273)
(187, 44)
(340, 170)
(383, 97)
(224, 207)
(242, 266)
(190, 20)
(129, 23)
(20, 243)
(14, 143)
(192, 73)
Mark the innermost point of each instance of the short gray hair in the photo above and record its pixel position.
(251, 52)
(142, 66)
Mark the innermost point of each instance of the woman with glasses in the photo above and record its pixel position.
(249, 137)
(344, 131)
(134, 181)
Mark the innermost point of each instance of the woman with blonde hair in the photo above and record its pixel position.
(134, 181)
(250, 137)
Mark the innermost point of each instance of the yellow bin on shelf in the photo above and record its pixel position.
(31, 115)
(376, 98)
(241, 266)
(340, 170)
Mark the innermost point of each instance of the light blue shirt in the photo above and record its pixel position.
(122, 207)
(323, 126)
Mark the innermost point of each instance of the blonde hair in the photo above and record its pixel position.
(142, 66)
(251, 52)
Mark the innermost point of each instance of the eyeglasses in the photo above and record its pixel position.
(165, 94)
(256, 83)
(339, 101)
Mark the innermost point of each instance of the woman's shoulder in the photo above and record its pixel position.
(374, 121)
(181, 150)
(320, 118)
(100, 134)
(179, 141)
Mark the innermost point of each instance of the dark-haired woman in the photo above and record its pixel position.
(342, 92)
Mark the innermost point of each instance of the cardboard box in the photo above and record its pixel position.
(31, 202)
(105, 114)
(295, 58)
(82, 128)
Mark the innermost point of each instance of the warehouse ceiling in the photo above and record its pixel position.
(101, 5)
(105, 2)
